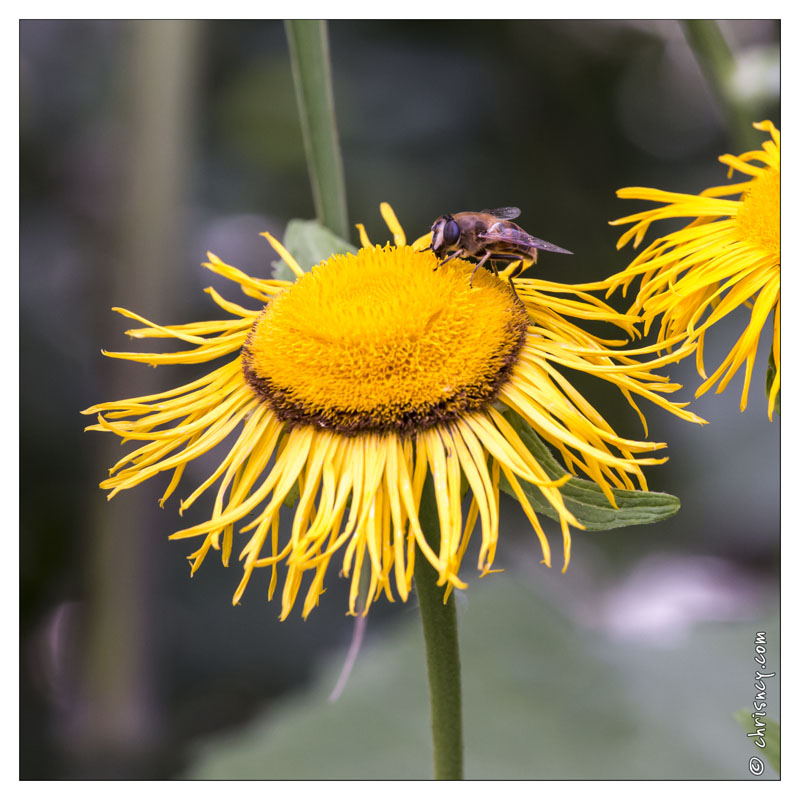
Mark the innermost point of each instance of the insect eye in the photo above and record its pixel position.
(451, 232)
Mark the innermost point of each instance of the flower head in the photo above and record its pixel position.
(348, 386)
(729, 255)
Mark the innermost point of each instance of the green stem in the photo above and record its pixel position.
(441, 646)
(311, 68)
(119, 720)
(717, 63)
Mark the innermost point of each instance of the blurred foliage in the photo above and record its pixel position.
(772, 736)
(771, 373)
(542, 699)
(551, 116)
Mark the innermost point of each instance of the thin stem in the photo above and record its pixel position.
(311, 68)
(717, 63)
(441, 647)
(359, 629)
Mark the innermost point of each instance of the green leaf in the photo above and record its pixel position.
(310, 243)
(544, 698)
(584, 498)
(771, 735)
(771, 372)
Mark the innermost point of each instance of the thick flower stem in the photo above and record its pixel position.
(311, 68)
(441, 646)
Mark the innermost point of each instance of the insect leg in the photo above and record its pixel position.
(453, 255)
(518, 269)
(523, 265)
(510, 280)
(478, 266)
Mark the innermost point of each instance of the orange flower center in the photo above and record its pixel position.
(384, 341)
(759, 218)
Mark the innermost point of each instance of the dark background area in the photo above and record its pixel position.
(142, 145)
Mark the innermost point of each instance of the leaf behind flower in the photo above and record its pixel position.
(584, 498)
(310, 243)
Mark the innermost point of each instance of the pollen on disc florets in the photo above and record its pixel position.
(381, 341)
(759, 218)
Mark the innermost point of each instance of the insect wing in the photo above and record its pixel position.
(507, 212)
(540, 244)
(521, 239)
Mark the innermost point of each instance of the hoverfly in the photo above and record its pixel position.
(488, 235)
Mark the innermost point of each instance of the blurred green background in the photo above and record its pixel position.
(144, 144)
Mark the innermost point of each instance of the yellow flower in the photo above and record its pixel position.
(729, 255)
(353, 382)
